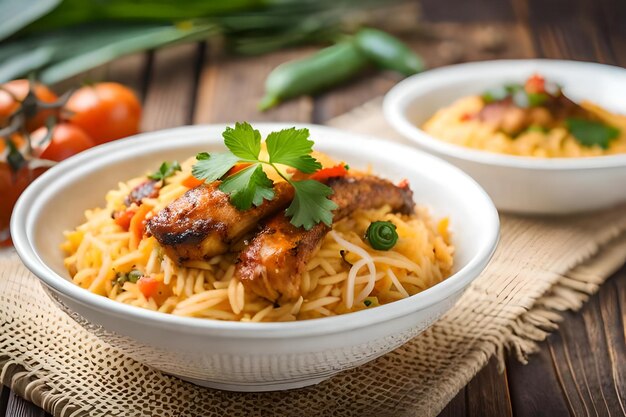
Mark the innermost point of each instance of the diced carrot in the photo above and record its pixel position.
(191, 182)
(148, 286)
(325, 173)
(137, 224)
(123, 218)
(237, 168)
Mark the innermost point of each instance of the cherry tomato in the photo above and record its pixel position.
(13, 92)
(105, 111)
(67, 140)
(12, 183)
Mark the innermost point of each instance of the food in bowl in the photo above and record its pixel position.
(532, 119)
(262, 232)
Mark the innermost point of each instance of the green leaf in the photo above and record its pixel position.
(166, 170)
(243, 141)
(592, 133)
(211, 167)
(101, 45)
(25, 62)
(16, 14)
(247, 187)
(292, 147)
(537, 99)
(310, 204)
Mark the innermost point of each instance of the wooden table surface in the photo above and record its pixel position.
(580, 370)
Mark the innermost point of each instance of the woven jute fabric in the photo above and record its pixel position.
(542, 266)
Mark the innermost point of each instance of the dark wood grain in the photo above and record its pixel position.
(467, 11)
(171, 91)
(457, 407)
(230, 88)
(4, 399)
(579, 370)
(488, 393)
(18, 407)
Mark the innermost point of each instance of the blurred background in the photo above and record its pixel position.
(105, 69)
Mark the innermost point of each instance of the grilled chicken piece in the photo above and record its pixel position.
(202, 223)
(147, 189)
(508, 117)
(272, 264)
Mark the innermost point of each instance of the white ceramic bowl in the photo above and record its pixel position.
(519, 184)
(248, 356)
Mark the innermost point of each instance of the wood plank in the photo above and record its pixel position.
(456, 407)
(19, 407)
(534, 387)
(344, 98)
(449, 43)
(565, 29)
(230, 88)
(132, 71)
(4, 399)
(611, 15)
(579, 370)
(488, 393)
(467, 11)
(613, 311)
(171, 89)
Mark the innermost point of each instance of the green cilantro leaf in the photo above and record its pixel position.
(251, 185)
(248, 186)
(243, 141)
(591, 133)
(166, 170)
(310, 204)
(292, 147)
(211, 167)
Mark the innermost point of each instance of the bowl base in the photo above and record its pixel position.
(256, 386)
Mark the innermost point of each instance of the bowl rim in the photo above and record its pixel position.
(410, 89)
(22, 223)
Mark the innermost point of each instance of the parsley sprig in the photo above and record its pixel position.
(251, 185)
(166, 170)
(592, 133)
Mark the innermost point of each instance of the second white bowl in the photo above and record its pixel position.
(519, 184)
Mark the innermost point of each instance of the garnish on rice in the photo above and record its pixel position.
(261, 232)
(251, 185)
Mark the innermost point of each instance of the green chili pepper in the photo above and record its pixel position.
(326, 68)
(382, 235)
(388, 52)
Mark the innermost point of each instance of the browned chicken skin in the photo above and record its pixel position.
(202, 223)
(272, 264)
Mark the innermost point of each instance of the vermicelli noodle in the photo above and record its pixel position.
(346, 274)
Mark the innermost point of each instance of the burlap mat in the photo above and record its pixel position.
(542, 266)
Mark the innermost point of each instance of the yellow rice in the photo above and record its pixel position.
(98, 250)
(449, 124)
